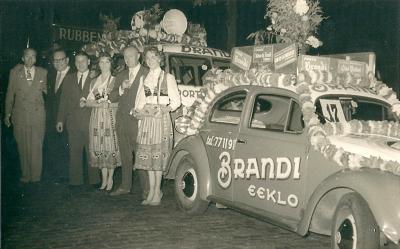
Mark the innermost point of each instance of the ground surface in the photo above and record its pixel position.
(50, 215)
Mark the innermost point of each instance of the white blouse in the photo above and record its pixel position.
(100, 85)
(173, 100)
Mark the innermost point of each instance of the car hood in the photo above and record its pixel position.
(386, 148)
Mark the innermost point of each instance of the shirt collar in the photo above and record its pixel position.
(156, 71)
(64, 71)
(134, 69)
(32, 69)
(84, 74)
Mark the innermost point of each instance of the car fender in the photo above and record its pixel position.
(378, 188)
(193, 146)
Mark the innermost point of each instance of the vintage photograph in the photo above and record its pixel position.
(200, 124)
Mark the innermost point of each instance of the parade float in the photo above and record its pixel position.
(310, 143)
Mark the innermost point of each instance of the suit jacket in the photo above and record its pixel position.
(53, 99)
(128, 98)
(69, 112)
(24, 101)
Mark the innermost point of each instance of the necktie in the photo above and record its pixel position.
(58, 79)
(81, 82)
(131, 75)
(28, 75)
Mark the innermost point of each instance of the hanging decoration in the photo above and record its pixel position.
(148, 28)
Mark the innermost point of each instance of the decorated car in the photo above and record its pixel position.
(313, 145)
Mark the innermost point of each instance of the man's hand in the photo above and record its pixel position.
(60, 127)
(82, 102)
(7, 121)
(125, 84)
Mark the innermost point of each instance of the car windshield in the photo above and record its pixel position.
(340, 108)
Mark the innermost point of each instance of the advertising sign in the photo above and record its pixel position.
(74, 37)
(357, 69)
(241, 59)
(285, 56)
(274, 57)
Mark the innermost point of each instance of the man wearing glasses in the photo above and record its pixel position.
(56, 153)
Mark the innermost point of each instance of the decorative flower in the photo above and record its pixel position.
(313, 41)
(301, 7)
(304, 18)
(291, 22)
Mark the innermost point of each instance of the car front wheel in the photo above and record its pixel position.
(187, 187)
(354, 226)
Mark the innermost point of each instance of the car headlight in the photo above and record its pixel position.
(181, 124)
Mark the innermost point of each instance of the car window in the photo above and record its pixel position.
(188, 70)
(346, 108)
(270, 112)
(229, 109)
(296, 123)
(221, 64)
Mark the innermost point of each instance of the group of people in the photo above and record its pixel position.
(122, 120)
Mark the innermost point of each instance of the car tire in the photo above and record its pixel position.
(187, 187)
(354, 226)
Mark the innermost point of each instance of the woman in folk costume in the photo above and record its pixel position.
(158, 95)
(103, 144)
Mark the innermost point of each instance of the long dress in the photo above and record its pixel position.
(155, 134)
(103, 142)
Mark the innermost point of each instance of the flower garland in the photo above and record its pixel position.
(318, 133)
(146, 29)
(217, 81)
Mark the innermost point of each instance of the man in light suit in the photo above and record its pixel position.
(76, 120)
(25, 110)
(56, 153)
(124, 92)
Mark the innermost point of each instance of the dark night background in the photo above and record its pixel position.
(352, 26)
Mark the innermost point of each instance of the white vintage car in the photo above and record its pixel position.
(308, 153)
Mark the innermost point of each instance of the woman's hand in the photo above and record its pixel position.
(82, 102)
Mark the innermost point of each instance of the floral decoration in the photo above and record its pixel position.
(146, 29)
(292, 21)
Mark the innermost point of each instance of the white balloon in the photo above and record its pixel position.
(174, 22)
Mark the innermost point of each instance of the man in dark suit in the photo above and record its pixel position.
(124, 92)
(76, 120)
(56, 155)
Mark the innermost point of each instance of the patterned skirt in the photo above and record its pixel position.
(155, 139)
(103, 144)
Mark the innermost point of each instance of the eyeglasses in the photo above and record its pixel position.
(59, 60)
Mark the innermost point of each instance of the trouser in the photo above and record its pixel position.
(78, 142)
(55, 156)
(30, 144)
(127, 134)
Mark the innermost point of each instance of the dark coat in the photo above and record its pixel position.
(69, 112)
(53, 99)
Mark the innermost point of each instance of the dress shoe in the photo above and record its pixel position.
(119, 191)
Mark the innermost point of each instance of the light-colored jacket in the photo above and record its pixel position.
(24, 101)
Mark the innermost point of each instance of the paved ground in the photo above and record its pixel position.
(49, 215)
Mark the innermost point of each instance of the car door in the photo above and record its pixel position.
(269, 166)
(219, 134)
